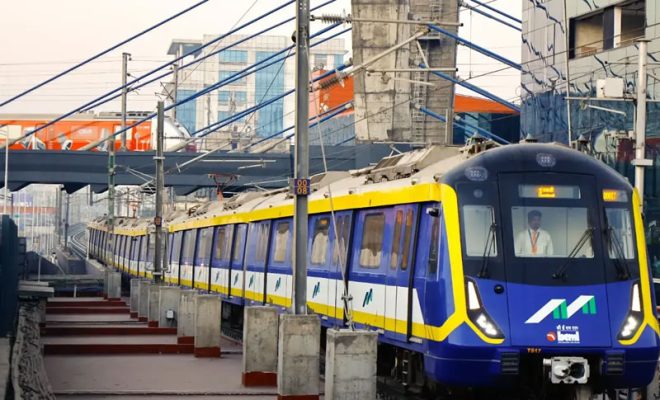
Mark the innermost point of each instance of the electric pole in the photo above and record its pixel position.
(124, 92)
(176, 87)
(301, 183)
(158, 219)
(640, 162)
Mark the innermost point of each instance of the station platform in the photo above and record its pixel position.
(92, 354)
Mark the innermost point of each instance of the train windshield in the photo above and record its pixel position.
(551, 229)
(551, 232)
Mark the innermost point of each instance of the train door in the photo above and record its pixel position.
(202, 258)
(278, 272)
(319, 253)
(176, 257)
(128, 241)
(187, 254)
(144, 245)
(398, 272)
(138, 254)
(236, 276)
(220, 259)
(373, 236)
(257, 251)
(333, 291)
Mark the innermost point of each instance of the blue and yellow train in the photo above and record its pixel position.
(522, 266)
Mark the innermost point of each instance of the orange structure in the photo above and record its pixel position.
(71, 133)
(329, 98)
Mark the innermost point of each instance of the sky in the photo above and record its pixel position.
(41, 38)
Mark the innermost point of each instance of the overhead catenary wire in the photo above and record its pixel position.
(198, 60)
(128, 84)
(106, 51)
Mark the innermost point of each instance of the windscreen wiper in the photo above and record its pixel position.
(622, 269)
(560, 273)
(488, 250)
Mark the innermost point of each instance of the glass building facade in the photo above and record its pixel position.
(186, 113)
(569, 48)
(269, 83)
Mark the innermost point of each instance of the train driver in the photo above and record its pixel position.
(534, 241)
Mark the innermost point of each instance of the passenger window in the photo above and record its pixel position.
(205, 237)
(343, 231)
(223, 243)
(281, 241)
(320, 241)
(371, 250)
(188, 246)
(262, 242)
(240, 234)
(396, 240)
(176, 250)
(407, 235)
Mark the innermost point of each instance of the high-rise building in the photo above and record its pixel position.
(568, 46)
(222, 106)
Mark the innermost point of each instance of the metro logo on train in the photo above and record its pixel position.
(559, 309)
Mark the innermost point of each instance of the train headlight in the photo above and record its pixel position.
(635, 316)
(478, 315)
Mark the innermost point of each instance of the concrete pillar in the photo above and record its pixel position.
(143, 301)
(106, 279)
(185, 324)
(42, 312)
(350, 364)
(153, 313)
(260, 328)
(114, 285)
(135, 297)
(207, 325)
(299, 344)
(169, 301)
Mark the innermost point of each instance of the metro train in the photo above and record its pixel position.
(522, 267)
(80, 130)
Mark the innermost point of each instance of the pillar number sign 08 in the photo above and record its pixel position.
(302, 187)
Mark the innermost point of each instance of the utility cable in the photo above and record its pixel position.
(106, 51)
(128, 84)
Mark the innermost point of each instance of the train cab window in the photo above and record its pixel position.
(434, 246)
(551, 232)
(619, 234)
(478, 225)
(341, 245)
(281, 241)
(396, 239)
(223, 243)
(373, 232)
(320, 241)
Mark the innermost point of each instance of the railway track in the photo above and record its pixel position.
(78, 240)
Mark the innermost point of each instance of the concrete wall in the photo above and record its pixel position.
(386, 101)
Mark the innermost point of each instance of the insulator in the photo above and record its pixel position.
(333, 18)
(330, 82)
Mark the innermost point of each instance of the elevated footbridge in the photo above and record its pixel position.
(185, 172)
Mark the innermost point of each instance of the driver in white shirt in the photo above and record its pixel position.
(534, 241)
